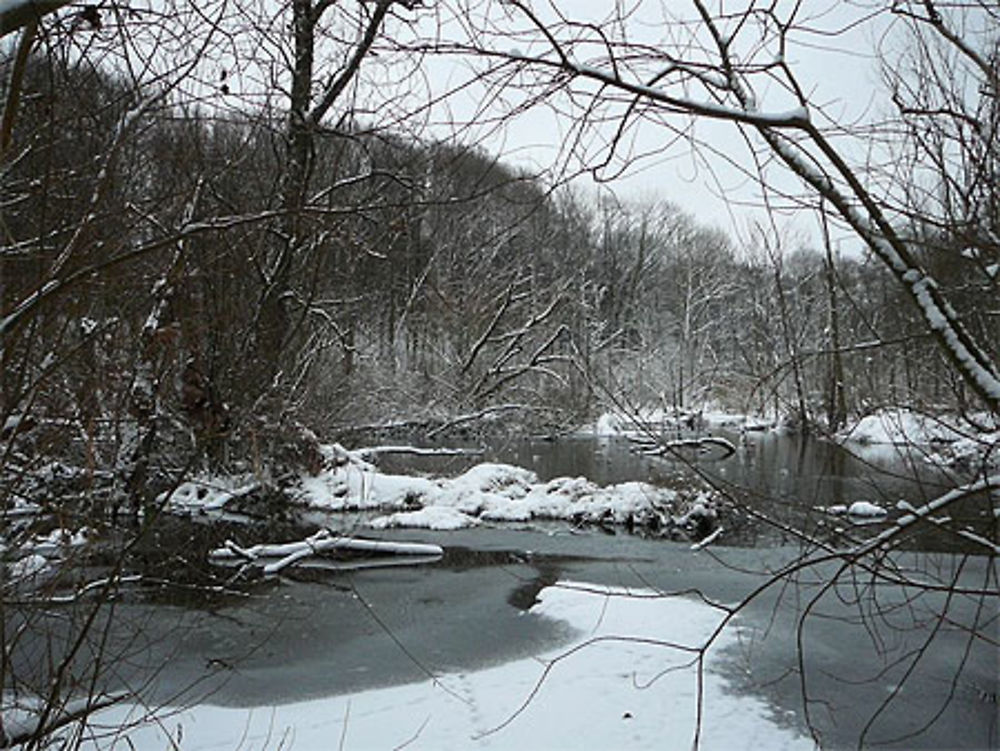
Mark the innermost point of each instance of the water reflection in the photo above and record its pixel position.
(783, 476)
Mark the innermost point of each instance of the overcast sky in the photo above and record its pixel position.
(834, 59)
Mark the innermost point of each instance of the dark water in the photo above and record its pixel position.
(874, 666)
(786, 477)
(870, 664)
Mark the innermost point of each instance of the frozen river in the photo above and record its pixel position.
(445, 655)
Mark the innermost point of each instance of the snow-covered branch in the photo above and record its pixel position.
(275, 558)
(988, 485)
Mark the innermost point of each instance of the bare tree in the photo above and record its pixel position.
(924, 174)
(715, 66)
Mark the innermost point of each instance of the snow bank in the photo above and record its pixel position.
(900, 427)
(601, 692)
(353, 483)
(502, 493)
(36, 560)
(863, 509)
(352, 488)
(614, 424)
(718, 418)
(26, 570)
(945, 441)
(206, 493)
(487, 492)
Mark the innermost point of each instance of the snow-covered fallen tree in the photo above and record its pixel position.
(274, 558)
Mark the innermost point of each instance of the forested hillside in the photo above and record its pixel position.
(429, 282)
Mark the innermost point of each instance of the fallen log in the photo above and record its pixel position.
(276, 557)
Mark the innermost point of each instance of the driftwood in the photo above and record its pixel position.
(373, 451)
(274, 558)
(651, 447)
(706, 541)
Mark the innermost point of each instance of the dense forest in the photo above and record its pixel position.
(245, 247)
(153, 304)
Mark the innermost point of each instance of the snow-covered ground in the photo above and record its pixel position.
(617, 424)
(485, 493)
(621, 683)
(945, 440)
(901, 427)
(948, 439)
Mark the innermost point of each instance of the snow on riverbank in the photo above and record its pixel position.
(900, 427)
(611, 424)
(500, 493)
(601, 692)
(945, 440)
(485, 493)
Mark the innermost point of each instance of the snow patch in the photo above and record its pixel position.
(625, 680)
(864, 508)
(439, 518)
(901, 427)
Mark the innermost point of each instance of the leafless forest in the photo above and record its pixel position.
(232, 231)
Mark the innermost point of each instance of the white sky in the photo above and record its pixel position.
(833, 59)
(839, 72)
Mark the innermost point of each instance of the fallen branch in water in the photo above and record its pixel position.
(704, 543)
(276, 557)
(661, 448)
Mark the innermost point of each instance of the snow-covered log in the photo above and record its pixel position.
(661, 448)
(373, 451)
(704, 543)
(275, 557)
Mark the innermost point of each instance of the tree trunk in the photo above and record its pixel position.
(836, 406)
(274, 320)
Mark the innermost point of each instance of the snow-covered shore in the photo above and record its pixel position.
(644, 420)
(944, 439)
